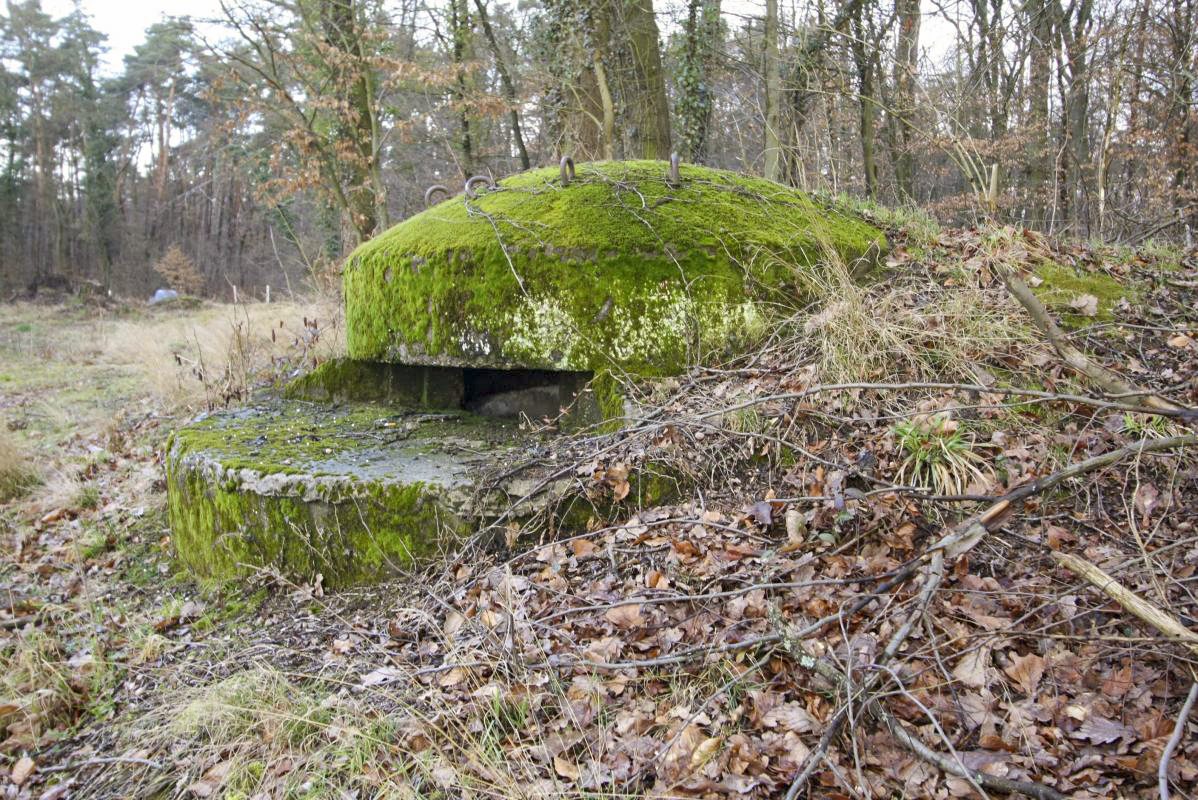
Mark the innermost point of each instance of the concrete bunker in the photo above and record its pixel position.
(535, 298)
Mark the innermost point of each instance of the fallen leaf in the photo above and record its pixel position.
(1101, 730)
(1118, 684)
(452, 678)
(796, 530)
(212, 780)
(706, 750)
(762, 513)
(1086, 305)
(582, 547)
(789, 716)
(1026, 671)
(454, 621)
(1147, 498)
(626, 616)
(1181, 341)
(57, 792)
(974, 668)
(191, 610)
(565, 768)
(381, 676)
(22, 770)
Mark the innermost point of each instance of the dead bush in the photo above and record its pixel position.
(179, 272)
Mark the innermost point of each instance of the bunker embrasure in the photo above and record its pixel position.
(527, 299)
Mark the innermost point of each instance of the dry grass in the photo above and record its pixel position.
(258, 731)
(17, 471)
(192, 358)
(249, 723)
(40, 688)
(907, 330)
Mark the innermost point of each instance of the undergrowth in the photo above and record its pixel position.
(17, 472)
(905, 328)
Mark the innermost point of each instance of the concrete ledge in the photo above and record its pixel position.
(356, 493)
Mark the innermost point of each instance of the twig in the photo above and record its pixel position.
(1162, 772)
(956, 542)
(953, 767)
(95, 762)
(17, 622)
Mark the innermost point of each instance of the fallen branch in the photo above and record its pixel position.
(1131, 602)
(1162, 772)
(95, 762)
(1105, 379)
(955, 767)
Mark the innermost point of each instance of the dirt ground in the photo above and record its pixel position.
(787, 624)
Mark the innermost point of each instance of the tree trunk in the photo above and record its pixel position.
(772, 155)
(459, 23)
(648, 108)
(358, 129)
(509, 87)
(700, 42)
(906, 62)
(1077, 108)
(1037, 153)
(864, 51)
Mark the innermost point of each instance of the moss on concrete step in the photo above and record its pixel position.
(352, 493)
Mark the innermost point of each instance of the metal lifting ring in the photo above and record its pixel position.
(428, 193)
(470, 183)
(567, 170)
(675, 180)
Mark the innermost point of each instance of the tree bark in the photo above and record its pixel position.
(906, 62)
(358, 129)
(1076, 34)
(648, 108)
(459, 22)
(1037, 153)
(772, 156)
(694, 91)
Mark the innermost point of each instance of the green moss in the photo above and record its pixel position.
(609, 398)
(220, 532)
(1061, 285)
(301, 490)
(618, 268)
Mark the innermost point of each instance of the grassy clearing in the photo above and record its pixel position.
(219, 351)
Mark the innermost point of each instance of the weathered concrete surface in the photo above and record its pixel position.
(350, 493)
(530, 299)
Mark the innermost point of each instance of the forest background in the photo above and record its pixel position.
(265, 141)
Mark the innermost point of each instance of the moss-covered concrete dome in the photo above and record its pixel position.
(619, 267)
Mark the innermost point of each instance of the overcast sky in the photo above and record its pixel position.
(125, 21)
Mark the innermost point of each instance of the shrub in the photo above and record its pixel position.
(178, 272)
